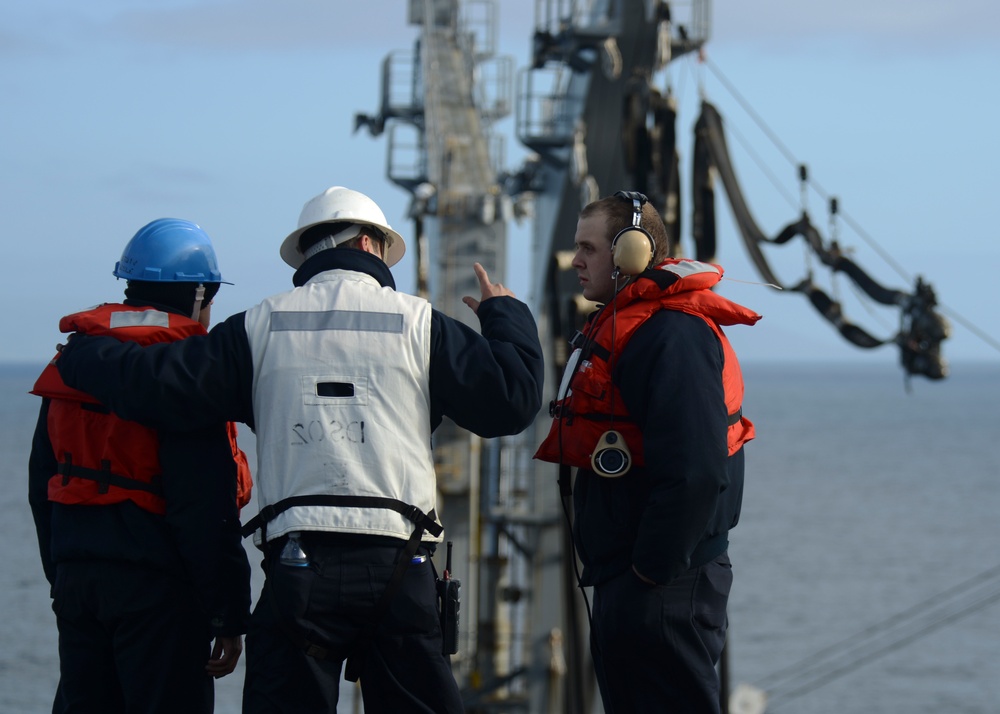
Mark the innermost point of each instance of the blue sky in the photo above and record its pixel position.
(232, 113)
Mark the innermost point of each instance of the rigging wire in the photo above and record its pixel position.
(856, 227)
(793, 671)
(867, 657)
(862, 648)
(790, 157)
(750, 110)
(846, 217)
(766, 170)
(867, 305)
(995, 344)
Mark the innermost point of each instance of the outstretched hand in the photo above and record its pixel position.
(488, 289)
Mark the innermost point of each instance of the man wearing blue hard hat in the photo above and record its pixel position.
(138, 529)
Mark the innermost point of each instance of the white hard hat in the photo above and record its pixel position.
(342, 205)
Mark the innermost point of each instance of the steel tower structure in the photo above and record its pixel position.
(588, 111)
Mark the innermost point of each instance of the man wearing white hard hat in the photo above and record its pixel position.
(344, 380)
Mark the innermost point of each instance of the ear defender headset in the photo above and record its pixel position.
(633, 248)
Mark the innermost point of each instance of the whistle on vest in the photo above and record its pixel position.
(611, 457)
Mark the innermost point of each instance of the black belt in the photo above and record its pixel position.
(408, 511)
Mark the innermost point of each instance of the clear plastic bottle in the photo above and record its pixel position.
(293, 554)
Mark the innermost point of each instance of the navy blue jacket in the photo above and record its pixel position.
(197, 540)
(489, 383)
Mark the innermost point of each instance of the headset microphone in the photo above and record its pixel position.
(633, 248)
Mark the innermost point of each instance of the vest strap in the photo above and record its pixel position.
(589, 347)
(105, 478)
(268, 513)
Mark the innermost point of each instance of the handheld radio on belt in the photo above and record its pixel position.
(448, 605)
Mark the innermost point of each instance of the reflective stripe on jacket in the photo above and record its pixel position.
(103, 459)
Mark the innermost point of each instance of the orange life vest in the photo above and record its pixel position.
(103, 459)
(589, 403)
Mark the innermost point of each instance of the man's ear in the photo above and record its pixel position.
(375, 246)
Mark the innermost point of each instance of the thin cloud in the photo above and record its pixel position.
(160, 184)
(265, 25)
(919, 26)
(13, 45)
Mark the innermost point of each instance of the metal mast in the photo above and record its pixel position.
(583, 106)
(439, 105)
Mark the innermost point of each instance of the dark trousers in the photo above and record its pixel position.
(328, 602)
(130, 642)
(656, 648)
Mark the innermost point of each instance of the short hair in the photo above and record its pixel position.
(315, 234)
(618, 211)
(179, 296)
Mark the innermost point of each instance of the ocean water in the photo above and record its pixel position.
(867, 573)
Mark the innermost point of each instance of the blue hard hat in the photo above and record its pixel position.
(169, 250)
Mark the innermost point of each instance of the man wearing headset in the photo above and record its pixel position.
(649, 412)
(344, 380)
(139, 530)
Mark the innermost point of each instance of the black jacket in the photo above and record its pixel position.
(196, 540)
(675, 512)
(489, 383)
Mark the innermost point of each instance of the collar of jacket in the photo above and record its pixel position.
(687, 286)
(675, 276)
(344, 259)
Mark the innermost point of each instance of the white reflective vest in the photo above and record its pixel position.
(341, 401)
